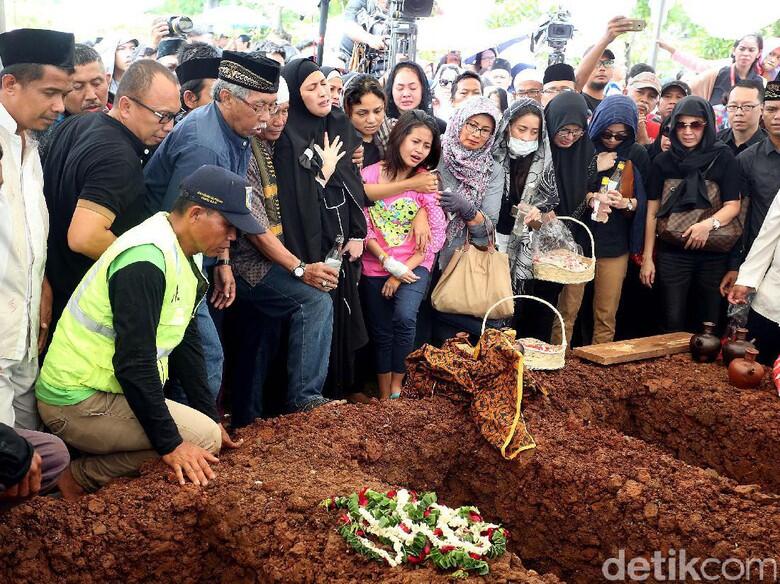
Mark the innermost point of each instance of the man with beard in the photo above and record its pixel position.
(593, 92)
(93, 174)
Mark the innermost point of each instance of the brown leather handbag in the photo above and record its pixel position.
(671, 227)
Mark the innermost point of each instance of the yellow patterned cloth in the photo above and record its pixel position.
(488, 376)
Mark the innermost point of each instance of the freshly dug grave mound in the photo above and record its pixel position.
(584, 493)
(689, 409)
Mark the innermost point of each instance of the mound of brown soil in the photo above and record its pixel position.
(586, 492)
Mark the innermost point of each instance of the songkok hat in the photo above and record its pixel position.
(772, 91)
(169, 46)
(255, 73)
(198, 68)
(559, 72)
(37, 45)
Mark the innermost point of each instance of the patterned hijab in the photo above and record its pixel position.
(471, 168)
(540, 187)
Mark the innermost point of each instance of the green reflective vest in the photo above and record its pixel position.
(82, 350)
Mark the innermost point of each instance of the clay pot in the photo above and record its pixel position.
(737, 346)
(745, 372)
(705, 346)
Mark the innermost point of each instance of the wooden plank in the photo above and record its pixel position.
(635, 349)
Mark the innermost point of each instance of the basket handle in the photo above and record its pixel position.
(590, 233)
(550, 306)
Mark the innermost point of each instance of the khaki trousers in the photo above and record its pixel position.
(104, 428)
(608, 284)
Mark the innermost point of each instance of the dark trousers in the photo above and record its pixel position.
(689, 282)
(767, 335)
(392, 321)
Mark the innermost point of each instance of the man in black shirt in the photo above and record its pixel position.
(93, 176)
(744, 112)
(760, 168)
(593, 92)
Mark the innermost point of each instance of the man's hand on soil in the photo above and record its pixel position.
(192, 461)
(227, 441)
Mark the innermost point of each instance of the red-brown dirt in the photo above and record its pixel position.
(586, 492)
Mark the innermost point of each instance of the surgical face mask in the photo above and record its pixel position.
(519, 148)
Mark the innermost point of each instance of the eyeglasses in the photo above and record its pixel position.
(281, 111)
(607, 63)
(745, 108)
(259, 109)
(619, 136)
(477, 130)
(695, 126)
(573, 133)
(529, 92)
(446, 82)
(162, 117)
(557, 90)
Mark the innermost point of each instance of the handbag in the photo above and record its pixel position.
(473, 281)
(671, 227)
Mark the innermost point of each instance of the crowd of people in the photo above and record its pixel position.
(189, 231)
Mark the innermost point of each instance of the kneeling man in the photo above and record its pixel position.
(129, 320)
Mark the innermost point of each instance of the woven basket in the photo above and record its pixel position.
(534, 359)
(552, 273)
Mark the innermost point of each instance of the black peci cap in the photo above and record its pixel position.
(37, 45)
(255, 73)
(559, 72)
(772, 91)
(197, 68)
(224, 191)
(681, 85)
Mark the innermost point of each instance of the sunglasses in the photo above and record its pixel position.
(619, 136)
(697, 125)
(446, 82)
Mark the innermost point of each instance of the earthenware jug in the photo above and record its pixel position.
(745, 372)
(706, 345)
(737, 346)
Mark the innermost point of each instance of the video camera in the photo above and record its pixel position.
(556, 31)
(180, 26)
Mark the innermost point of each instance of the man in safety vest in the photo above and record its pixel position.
(127, 323)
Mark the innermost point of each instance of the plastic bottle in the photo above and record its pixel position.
(596, 215)
(333, 259)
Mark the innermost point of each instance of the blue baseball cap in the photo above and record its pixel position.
(224, 191)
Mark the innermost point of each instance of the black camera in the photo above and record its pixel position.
(179, 25)
(558, 31)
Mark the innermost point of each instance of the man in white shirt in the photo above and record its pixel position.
(35, 76)
(760, 273)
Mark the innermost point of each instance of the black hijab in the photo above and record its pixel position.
(297, 165)
(426, 104)
(571, 164)
(690, 165)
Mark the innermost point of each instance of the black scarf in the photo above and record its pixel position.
(297, 165)
(426, 104)
(571, 164)
(690, 165)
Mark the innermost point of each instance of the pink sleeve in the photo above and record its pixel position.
(370, 233)
(436, 219)
(696, 64)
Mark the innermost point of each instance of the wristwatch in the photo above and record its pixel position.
(298, 270)
(223, 262)
(630, 205)
(715, 224)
